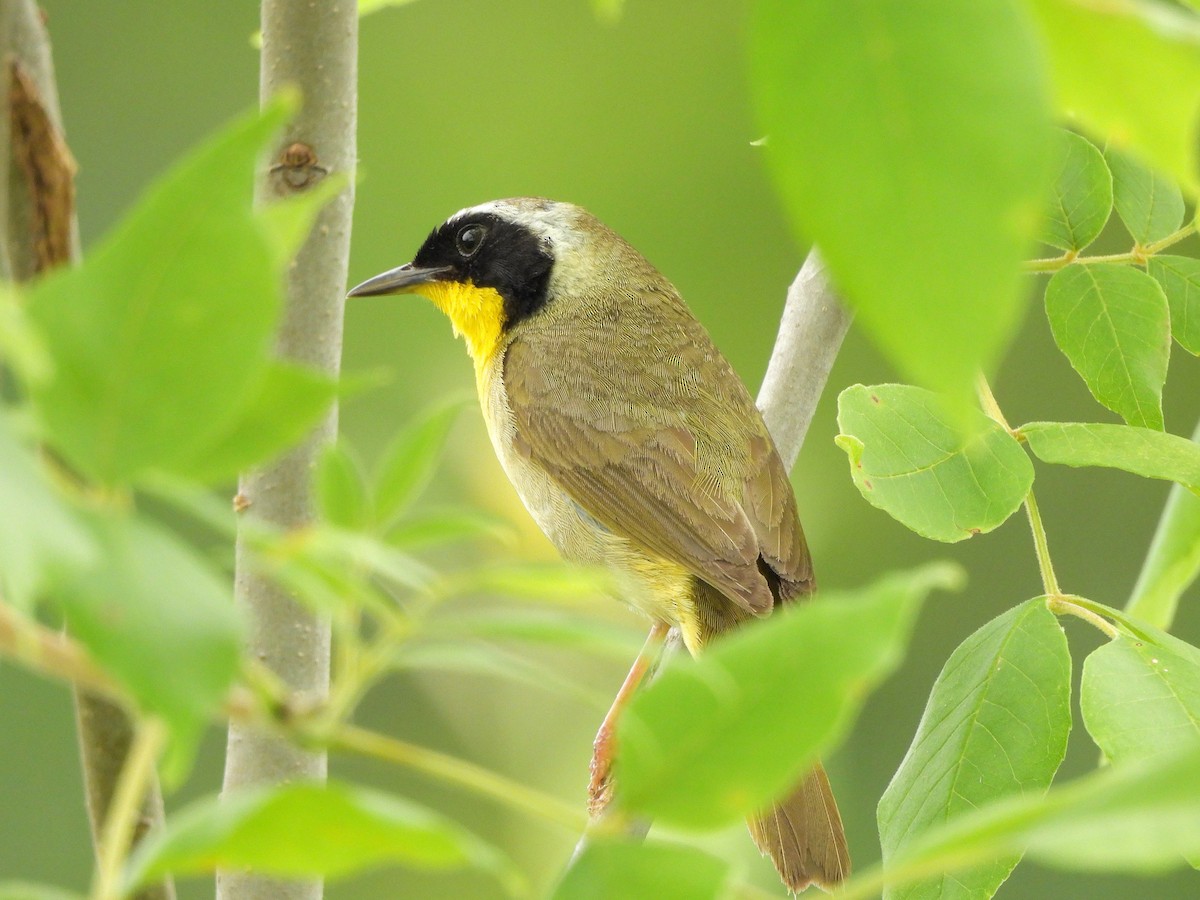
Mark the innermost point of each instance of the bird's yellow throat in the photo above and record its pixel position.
(477, 313)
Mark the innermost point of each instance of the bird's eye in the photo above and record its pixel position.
(469, 240)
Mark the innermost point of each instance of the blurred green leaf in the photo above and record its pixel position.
(1136, 817)
(551, 581)
(996, 725)
(448, 526)
(1179, 277)
(409, 462)
(552, 627)
(478, 658)
(691, 743)
(163, 334)
(366, 7)
(40, 537)
(909, 459)
(162, 622)
(608, 10)
(1142, 451)
(911, 141)
(1081, 197)
(607, 869)
(287, 402)
(1173, 561)
(1113, 324)
(23, 890)
(342, 488)
(1149, 203)
(21, 348)
(1140, 699)
(1107, 60)
(303, 829)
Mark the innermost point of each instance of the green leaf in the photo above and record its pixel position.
(408, 465)
(1173, 562)
(23, 890)
(541, 626)
(692, 748)
(39, 535)
(910, 459)
(1137, 817)
(495, 664)
(342, 489)
(608, 10)
(286, 403)
(301, 829)
(1107, 59)
(1149, 203)
(1113, 324)
(163, 334)
(996, 725)
(1142, 451)
(1140, 699)
(557, 582)
(911, 141)
(366, 7)
(449, 526)
(159, 620)
(607, 869)
(1179, 277)
(1081, 198)
(21, 347)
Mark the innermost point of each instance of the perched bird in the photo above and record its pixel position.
(633, 444)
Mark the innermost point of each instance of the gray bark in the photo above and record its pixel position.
(311, 44)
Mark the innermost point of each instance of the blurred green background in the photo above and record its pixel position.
(647, 123)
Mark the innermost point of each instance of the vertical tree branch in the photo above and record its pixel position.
(40, 231)
(313, 45)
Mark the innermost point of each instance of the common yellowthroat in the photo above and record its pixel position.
(632, 443)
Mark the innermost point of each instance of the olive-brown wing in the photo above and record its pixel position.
(638, 417)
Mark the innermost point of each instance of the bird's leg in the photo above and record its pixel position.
(604, 747)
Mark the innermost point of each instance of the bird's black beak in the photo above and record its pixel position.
(403, 280)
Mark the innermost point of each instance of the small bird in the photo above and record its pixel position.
(634, 445)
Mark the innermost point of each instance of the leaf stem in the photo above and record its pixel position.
(117, 836)
(1040, 544)
(459, 772)
(1063, 604)
(1137, 256)
(51, 653)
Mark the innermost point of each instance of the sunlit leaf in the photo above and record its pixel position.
(286, 403)
(996, 725)
(1081, 197)
(477, 658)
(1113, 324)
(163, 334)
(691, 744)
(910, 459)
(1173, 561)
(1143, 451)
(408, 464)
(21, 347)
(342, 488)
(1140, 699)
(552, 627)
(303, 829)
(1107, 59)
(39, 535)
(607, 869)
(1179, 277)
(366, 7)
(1148, 202)
(911, 141)
(547, 582)
(24, 890)
(1137, 817)
(448, 526)
(159, 620)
